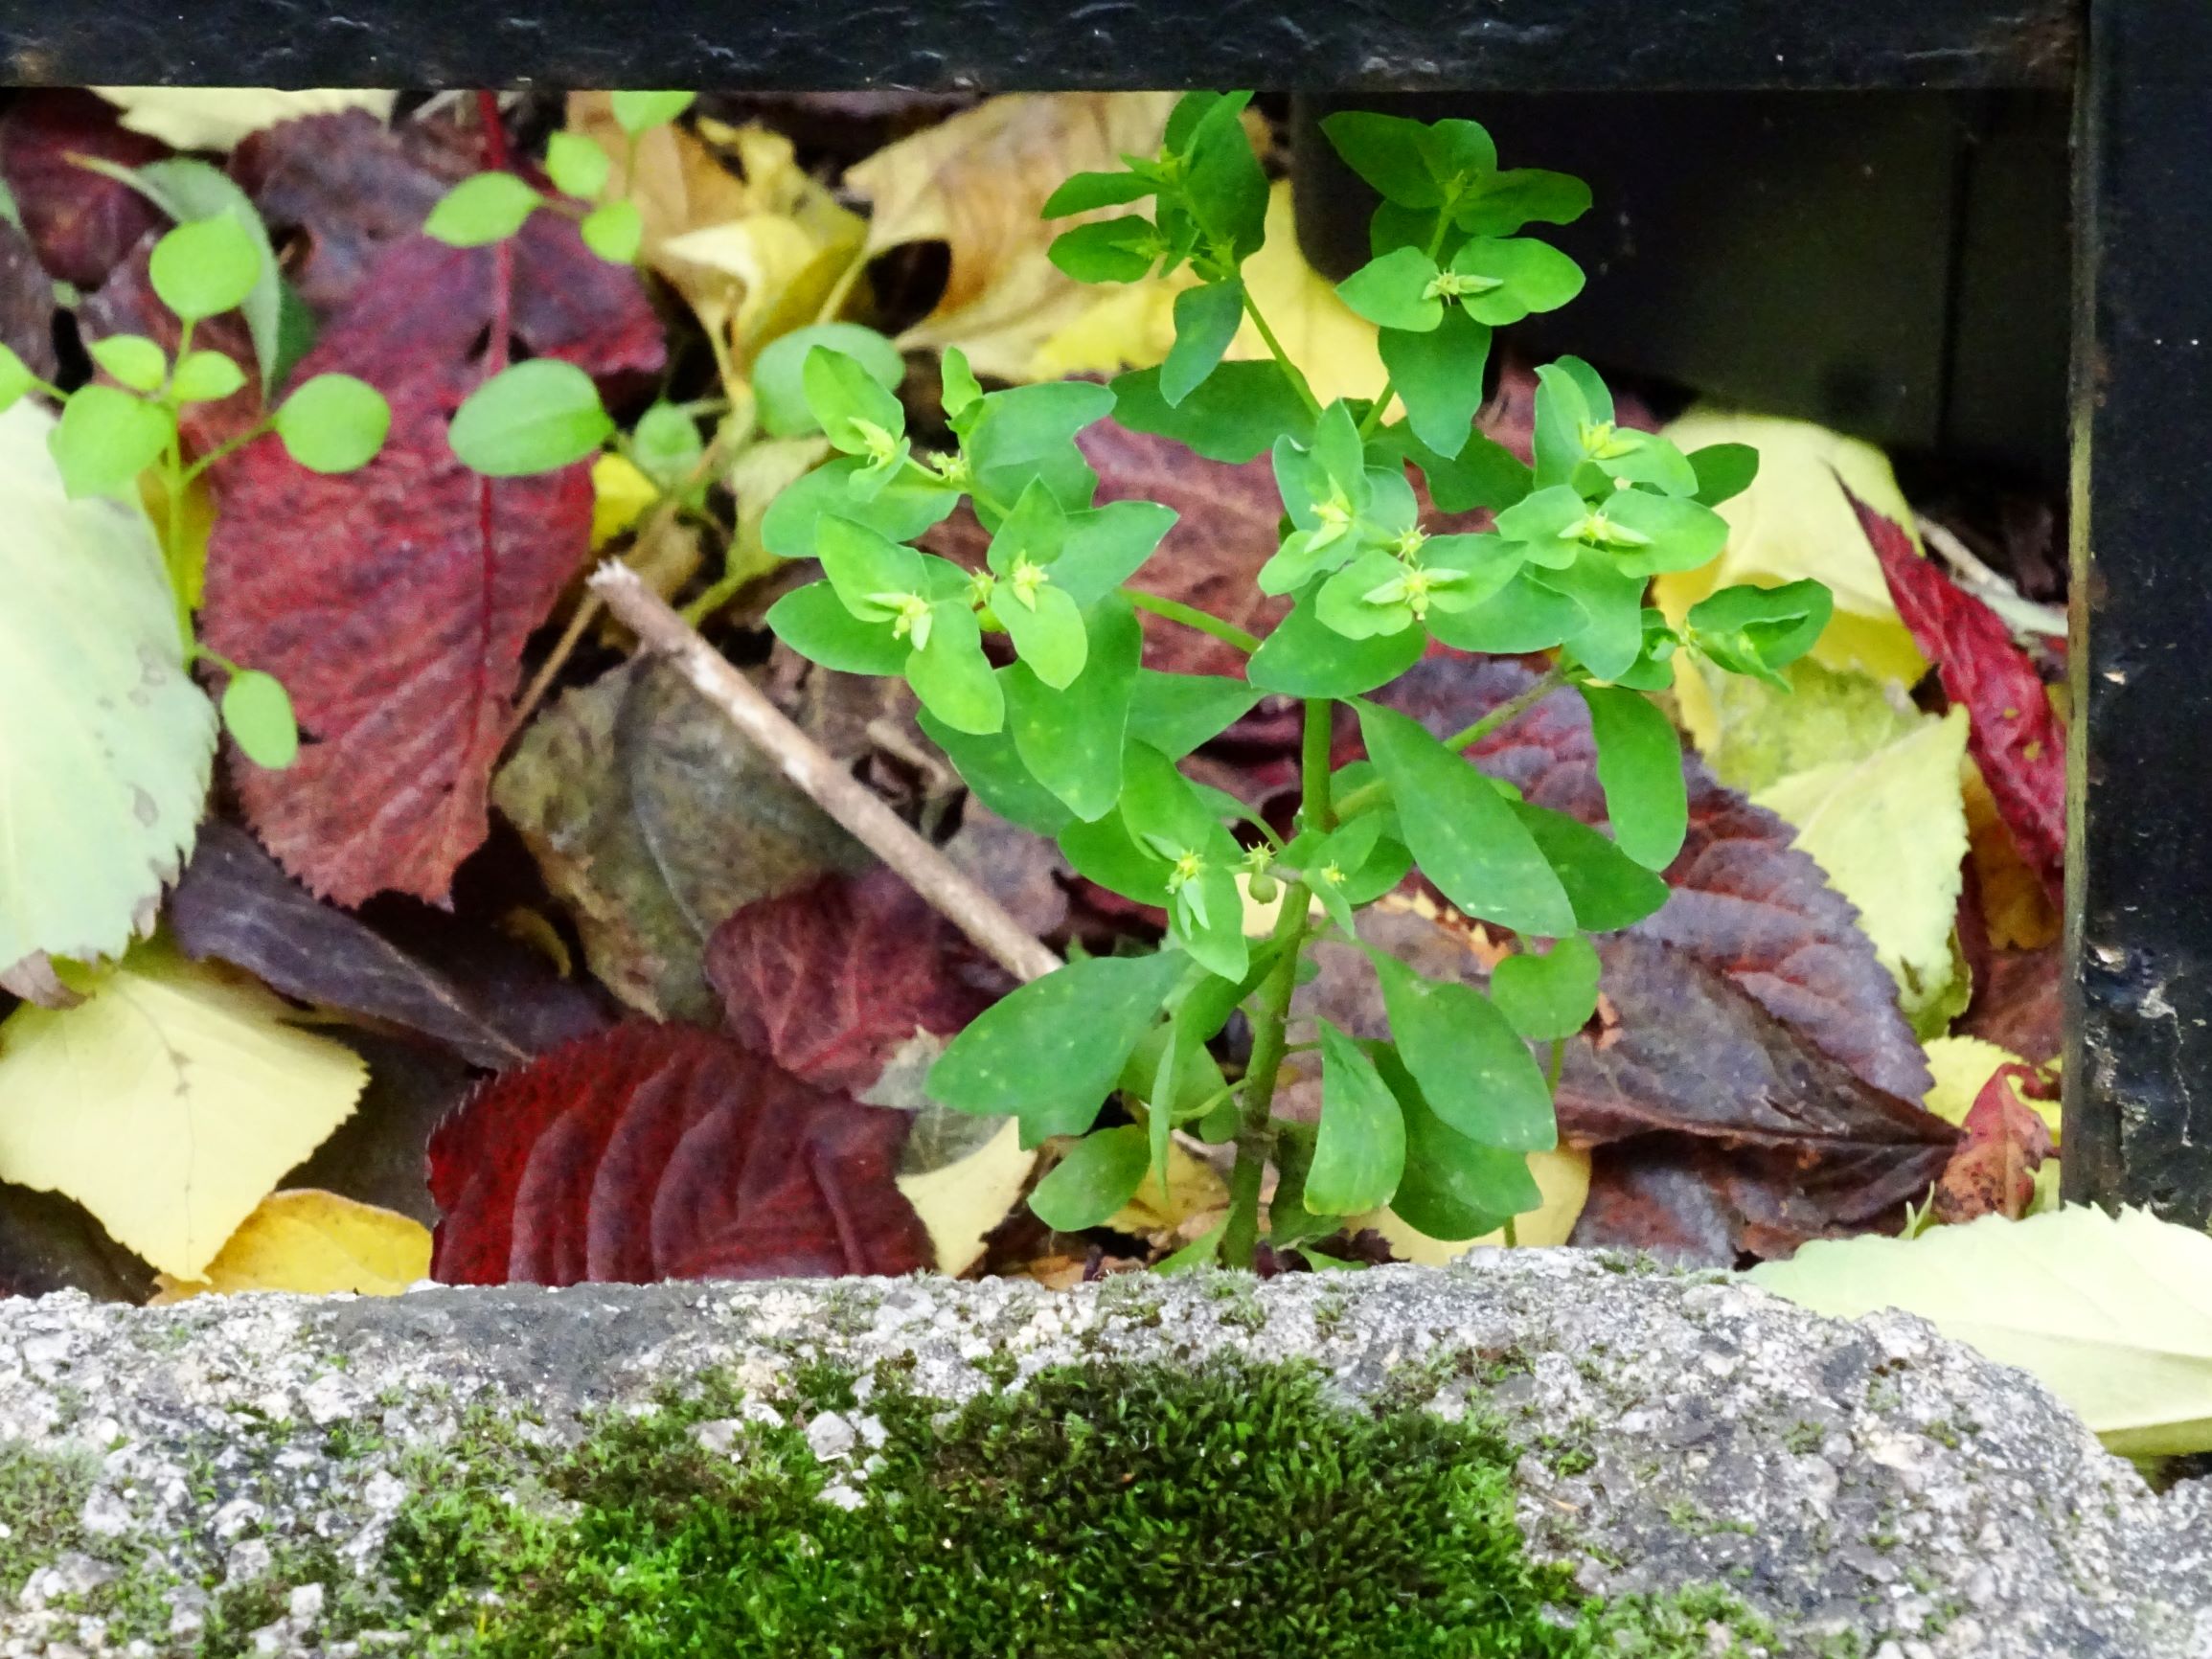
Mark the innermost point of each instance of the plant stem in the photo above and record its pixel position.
(1274, 347)
(1271, 1019)
(1509, 710)
(1190, 616)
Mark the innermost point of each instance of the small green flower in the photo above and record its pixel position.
(1025, 579)
(910, 616)
(1459, 285)
(1595, 529)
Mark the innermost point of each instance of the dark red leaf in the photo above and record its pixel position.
(394, 602)
(336, 189)
(1744, 902)
(27, 304)
(83, 223)
(2015, 738)
(2017, 1004)
(654, 1152)
(831, 980)
(1994, 1172)
(496, 1004)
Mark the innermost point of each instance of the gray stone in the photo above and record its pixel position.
(1854, 1482)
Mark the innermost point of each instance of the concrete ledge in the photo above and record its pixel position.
(169, 1477)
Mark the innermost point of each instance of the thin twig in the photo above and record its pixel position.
(830, 787)
(2001, 596)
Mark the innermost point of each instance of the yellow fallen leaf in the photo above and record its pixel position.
(1133, 326)
(1963, 1066)
(1889, 831)
(167, 1102)
(764, 469)
(677, 183)
(2015, 906)
(620, 494)
(1193, 1189)
(1562, 1176)
(1794, 522)
(976, 183)
(962, 1202)
(219, 117)
(312, 1243)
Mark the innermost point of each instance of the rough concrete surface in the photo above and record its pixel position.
(1862, 1486)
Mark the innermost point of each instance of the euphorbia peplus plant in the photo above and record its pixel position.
(1076, 739)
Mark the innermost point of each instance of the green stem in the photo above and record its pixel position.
(229, 448)
(1509, 710)
(1190, 616)
(1274, 347)
(1271, 1018)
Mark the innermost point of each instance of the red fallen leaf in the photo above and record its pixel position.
(1743, 901)
(652, 1151)
(830, 980)
(83, 223)
(336, 189)
(1993, 1172)
(2018, 1003)
(394, 602)
(2015, 738)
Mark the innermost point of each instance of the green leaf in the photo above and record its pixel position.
(187, 190)
(1463, 834)
(1177, 713)
(636, 112)
(900, 510)
(813, 621)
(1532, 276)
(1607, 889)
(1347, 603)
(333, 423)
(1410, 162)
(1119, 250)
(1439, 377)
(487, 208)
(133, 360)
(1484, 473)
(1105, 853)
(1304, 657)
(1103, 547)
(105, 771)
(1475, 1072)
(205, 268)
(666, 444)
(1724, 471)
(1047, 633)
(1050, 1052)
(1071, 740)
(952, 677)
(1099, 1174)
(615, 231)
(1684, 535)
(1085, 192)
(960, 390)
(1359, 1149)
(855, 408)
(107, 439)
(1640, 767)
(15, 378)
(1393, 291)
(533, 416)
(1452, 1187)
(2112, 1312)
(1206, 320)
(992, 768)
(779, 372)
(207, 377)
(1760, 630)
(1502, 202)
(1611, 636)
(1545, 998)
(1224, 185)
(576, 165)
(258, 712)
(1571, 399)
(1522, 615)
(1236, 413)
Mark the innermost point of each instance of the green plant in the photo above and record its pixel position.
(122, 432)
(1075, 739)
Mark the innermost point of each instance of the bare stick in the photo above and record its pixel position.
(835, 789)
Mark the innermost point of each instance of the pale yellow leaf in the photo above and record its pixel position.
(107, 742)
(1764, 734)
(1794, 522)
(1194, 1189)
(962, 1202)
(1962, 1066)
(2115, 1313)
(1889, 833)
(677, 183)
(2015, 906)
(169, 1102)
(620, 494)
(314, 1242)
(1562, 1176)
(977, 183)
(219, 117)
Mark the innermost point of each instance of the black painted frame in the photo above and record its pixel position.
(2138, 1108)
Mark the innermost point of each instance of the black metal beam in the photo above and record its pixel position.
(1532, 45)
(2138, 1072)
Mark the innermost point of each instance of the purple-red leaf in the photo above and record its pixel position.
(83, 223)
(394, 602)
(831, 980)
(2015, 738)
(652, 1152)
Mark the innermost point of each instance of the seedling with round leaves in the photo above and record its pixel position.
(123, 427)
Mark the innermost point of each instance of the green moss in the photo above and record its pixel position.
(1147, 1511)
(41, 1495)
